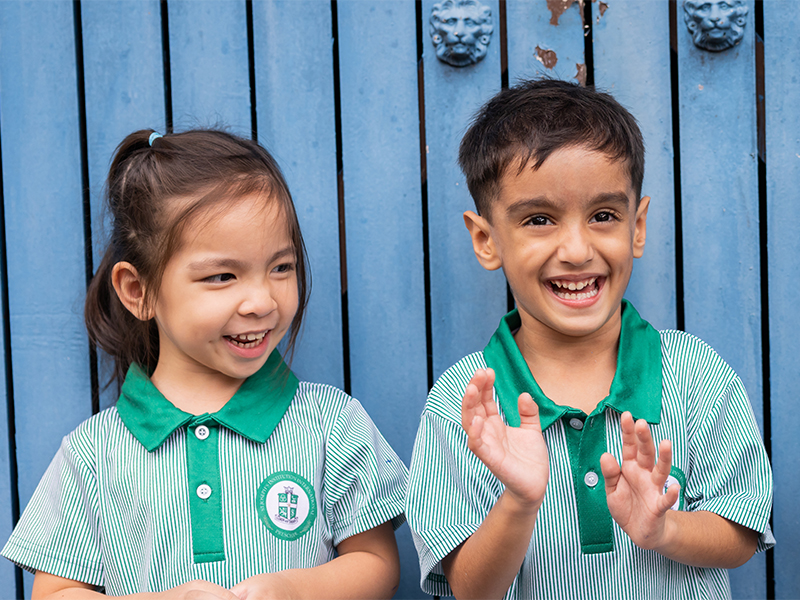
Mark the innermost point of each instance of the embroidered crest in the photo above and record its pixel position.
(676, 476)
(287, 505)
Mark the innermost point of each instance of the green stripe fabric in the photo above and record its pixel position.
(716, 445)
(111, 513)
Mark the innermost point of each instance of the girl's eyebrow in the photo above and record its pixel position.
(233, 263)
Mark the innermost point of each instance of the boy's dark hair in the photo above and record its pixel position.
(153, 193)
(533, 119)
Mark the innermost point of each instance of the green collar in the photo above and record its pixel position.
(253, 412)
(636, 386)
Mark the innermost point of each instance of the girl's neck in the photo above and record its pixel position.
(196, 393)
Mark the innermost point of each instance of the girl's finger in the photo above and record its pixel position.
(645, 448)
(629, 448)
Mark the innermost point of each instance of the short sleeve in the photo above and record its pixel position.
(365, 481)
(58, 532)
(729, 471)
(450, 490)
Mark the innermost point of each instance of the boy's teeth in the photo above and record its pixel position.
(564, 289)
(574, 285)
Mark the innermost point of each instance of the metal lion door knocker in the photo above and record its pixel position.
(461, 31)
(715, 25)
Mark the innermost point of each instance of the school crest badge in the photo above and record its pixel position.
(287, 505)
(676, 476)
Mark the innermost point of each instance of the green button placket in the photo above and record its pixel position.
(202, 462)
(585, 447)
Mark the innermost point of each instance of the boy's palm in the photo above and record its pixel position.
(635, 490)
(517, 456)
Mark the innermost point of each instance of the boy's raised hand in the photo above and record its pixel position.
(635, 490)
(517, 456)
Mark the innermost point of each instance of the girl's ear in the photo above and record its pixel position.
(130, 289)
(482, 242)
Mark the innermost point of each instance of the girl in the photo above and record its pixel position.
(217, 474)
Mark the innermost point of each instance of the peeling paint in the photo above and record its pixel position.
(603, 8)
(700, 87)
(547, 57)
(558, 7)
(580, 76)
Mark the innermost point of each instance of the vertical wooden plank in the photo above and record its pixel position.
(301, 134)
(467, 301)
(542, 41)
(782, 92)
(719, 185)
(124, 82)
(44, 230)
(209, 64)
(631, 61)
(386, 298)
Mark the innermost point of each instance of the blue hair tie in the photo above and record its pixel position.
(153, 137)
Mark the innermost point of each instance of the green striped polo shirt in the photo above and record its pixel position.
(145, 497)
(678, 384)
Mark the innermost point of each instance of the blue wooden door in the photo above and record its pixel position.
(365, 120)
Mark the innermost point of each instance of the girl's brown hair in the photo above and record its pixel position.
(204, 169)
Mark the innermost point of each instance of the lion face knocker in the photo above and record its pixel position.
(461, 31)
(715, 25)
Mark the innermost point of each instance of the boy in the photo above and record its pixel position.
(515, 490)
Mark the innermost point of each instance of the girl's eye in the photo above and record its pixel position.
(538, 220)
(284, 268)
(220, 278)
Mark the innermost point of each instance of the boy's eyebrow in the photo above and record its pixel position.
(542, 203)
(233, 263)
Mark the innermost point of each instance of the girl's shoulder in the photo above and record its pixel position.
(324, 403)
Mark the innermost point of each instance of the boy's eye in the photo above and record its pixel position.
(538, 220)
(604, 217)
(220, 278)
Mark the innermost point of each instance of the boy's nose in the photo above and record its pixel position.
(575, 247)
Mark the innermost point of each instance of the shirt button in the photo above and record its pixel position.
(203, 491)
(201, 432)
(590, 479)
(576, 424)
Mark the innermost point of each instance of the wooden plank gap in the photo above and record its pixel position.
(86, 200)
(680, 316)
(13, 484)
(423, 170)
(503, 44)
(763, 239)
(251, 56)
(337, 117)
(588, 43)
(167, 65)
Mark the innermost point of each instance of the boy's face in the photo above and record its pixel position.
(566, 236)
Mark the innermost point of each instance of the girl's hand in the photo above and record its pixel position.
(266, 586)
(635, 491)
(517, 456)
(47, 585)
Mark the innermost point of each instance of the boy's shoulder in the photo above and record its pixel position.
(688, 356)
(445, 396)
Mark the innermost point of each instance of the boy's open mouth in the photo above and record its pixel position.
(247, 340)
(575, 290)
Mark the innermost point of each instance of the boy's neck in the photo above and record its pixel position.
(575, 372)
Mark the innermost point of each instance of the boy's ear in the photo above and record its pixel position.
(640, 231)
(482, 242)
(130, 289)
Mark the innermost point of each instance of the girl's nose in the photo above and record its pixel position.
(258, 302)
(575, 247)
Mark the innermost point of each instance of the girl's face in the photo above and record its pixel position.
(227, 296)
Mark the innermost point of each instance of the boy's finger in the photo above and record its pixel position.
(528, 412)
(645, 448)
(611, 471)
(629, 448)
(664, 464)
(669, 498)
